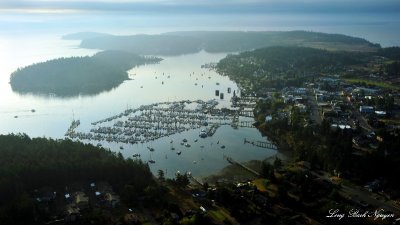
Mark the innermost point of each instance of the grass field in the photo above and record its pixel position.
(371, 82)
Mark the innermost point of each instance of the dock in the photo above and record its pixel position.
(261, 144)
(234, 162)
(151, 122)
(235, 121)
(245, 102)
(212, 130)
(246, 113)
(195, 180)
(249, 124)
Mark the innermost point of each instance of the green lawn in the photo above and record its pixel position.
(371, 82)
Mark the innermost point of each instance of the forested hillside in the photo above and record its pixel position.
(176, 43)
(284, 66)
(27, 164)
(77, 75)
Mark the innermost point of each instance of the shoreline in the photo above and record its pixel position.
(233, 173)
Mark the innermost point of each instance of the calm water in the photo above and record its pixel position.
(53, 115)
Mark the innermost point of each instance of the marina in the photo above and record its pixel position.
(147, 118)
(189, 128)
(150, 122)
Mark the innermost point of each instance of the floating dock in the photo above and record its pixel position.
(261, 144)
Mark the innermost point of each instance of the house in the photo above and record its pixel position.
(203, 210)
(131, 218)
(301, 107)
(299, 99)
(112, 200)
(366, 109)
(301, 91)
(380, 113)
(68, 197)
(71, 213)
(340, 126)
(81, 200)
(329, 114)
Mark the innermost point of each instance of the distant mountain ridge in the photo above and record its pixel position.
(84, 35)
(185, 42)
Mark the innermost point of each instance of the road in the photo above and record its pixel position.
(314, 113)
(357, 194)
(360, 118)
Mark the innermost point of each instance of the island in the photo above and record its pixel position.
(185, 42)
(67, 77)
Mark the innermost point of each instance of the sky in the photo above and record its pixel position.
(201, 6)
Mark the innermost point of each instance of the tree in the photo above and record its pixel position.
(267, 171)
(277, 163)
(161, 175)
(206, 186)
(182, 180)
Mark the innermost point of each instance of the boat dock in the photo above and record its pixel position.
(246, 113)
(212, 130)
(249, 124)
(261, 144)
(195, 180)
(151, 122)
(235, 121)
(72, 127)
(234, 162)
(245, 101)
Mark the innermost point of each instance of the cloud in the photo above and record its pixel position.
(204, 6)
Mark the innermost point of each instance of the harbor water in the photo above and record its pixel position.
(174, 79)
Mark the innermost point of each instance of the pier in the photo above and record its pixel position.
(245, 102)
(248, 124)
(150, 122)
(246, 113)
(235, 121)
(234, 162)
(212, 130)
(261, 144)
(195, 180)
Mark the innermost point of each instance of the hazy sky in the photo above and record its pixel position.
(201, 6)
